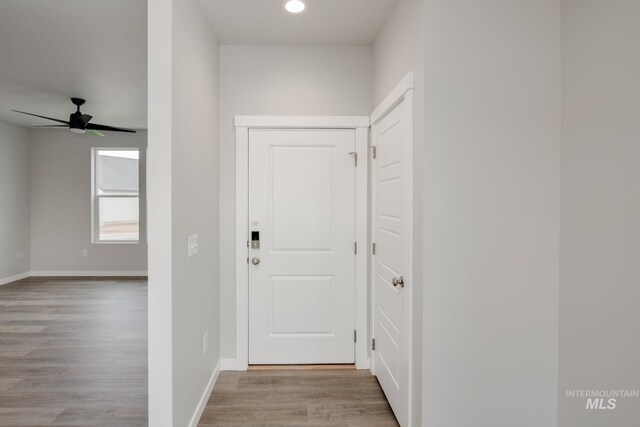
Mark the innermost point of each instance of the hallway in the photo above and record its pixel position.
(345, 398)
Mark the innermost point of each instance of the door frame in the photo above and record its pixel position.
(404, 91)
(360, 124)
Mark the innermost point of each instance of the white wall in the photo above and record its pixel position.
(600, 223)
(278, 80)
(491, 198)
(397, 51)
(61, 205)
(15, 227)
(195, 207)
(159, 192)
(398, 48)
(183, 200)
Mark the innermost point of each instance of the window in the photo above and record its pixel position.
(116, 195)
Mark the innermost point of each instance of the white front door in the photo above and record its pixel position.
(301, 250)
(391, 264)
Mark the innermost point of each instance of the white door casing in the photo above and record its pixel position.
(302, 275)
(245, 125)
(391, 265)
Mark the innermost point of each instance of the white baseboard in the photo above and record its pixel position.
(205, 397)
(89, 273)
(10, 279)
(228, 364)
(366, 364)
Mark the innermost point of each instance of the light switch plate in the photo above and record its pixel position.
(193, 245)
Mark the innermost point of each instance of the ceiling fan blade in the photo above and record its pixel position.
(96, 126)
(51, 126)
(42, 117)
(95, 133)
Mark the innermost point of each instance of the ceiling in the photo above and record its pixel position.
(324, 22)
(96, 49)
(92, 49)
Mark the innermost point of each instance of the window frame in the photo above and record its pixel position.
(95, 198)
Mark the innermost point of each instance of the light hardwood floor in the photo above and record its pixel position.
(340, 398)
(73, 352)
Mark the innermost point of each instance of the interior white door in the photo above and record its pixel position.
(302, 275)
(391, 266)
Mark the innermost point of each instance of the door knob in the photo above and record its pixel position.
(398, 281)
(255, 260)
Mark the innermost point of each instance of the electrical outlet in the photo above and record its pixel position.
(193, 245)
(85, 252)
(205, 343)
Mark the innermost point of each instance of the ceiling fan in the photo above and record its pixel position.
(78, 122)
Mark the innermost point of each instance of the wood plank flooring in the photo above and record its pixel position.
(73, 352)
(339, 398)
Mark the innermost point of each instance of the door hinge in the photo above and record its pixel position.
(355, 336)
(373, 151)
(355, 248)
(373, 248)
(247, 260)
(355, 158)
(373, 344)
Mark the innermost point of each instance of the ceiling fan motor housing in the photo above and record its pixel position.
(76, 121)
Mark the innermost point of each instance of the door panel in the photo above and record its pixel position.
(308, 226)
(302, 202)
(392, 234)
(301, 305)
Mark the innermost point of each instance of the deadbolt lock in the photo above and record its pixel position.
(255, 260)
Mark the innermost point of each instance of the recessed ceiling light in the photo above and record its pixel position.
(295, 6)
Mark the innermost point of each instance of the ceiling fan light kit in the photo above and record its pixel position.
(78, 122)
